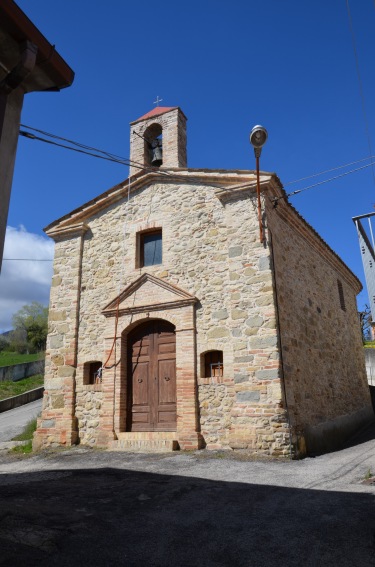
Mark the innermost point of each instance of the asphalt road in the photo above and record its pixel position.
(82, 507)
(13, 421)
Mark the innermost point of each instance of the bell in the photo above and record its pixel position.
(156, 154)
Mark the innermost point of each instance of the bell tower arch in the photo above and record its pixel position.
(158, 139)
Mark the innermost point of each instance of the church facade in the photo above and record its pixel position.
(173, 326)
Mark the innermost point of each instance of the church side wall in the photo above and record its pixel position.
(211, 250)
(58, 422)
(327, 392)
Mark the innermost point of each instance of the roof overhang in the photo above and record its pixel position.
(51, 72)
(227, 184)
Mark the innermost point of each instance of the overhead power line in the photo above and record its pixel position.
(88, 150)
(328, 170)
(297, 191)
(108, 156)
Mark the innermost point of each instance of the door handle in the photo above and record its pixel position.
(166, 378)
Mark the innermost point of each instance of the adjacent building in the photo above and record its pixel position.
(28, 63)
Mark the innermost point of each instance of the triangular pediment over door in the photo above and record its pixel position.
(148, 293)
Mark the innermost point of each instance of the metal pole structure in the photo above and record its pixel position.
(259, 203)
(258, 137)
(372, 236)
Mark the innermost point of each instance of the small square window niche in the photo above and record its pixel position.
(151, 248)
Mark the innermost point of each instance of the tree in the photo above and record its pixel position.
(365, 321)
(30, 326)
(4, 343)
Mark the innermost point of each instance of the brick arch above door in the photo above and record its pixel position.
(145, 299)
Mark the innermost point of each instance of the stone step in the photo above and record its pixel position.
(144, 445)
(146, 435)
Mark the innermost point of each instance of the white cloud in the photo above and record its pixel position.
(22, 282)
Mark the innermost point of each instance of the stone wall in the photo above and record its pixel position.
(89, 403)
(327, 392)
(215, 405)
(58, 424)
(211, 250)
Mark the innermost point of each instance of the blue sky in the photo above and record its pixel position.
(287, 65)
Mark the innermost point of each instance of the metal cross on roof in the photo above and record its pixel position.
(158, 100)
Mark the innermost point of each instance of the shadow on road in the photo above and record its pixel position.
(120, 517)
(367, 434)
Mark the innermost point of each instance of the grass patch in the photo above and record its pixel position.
(368, 475)
(10, 358)
(369, 344)
(23, 449)
(28, 431)
(9, 389)
(26, 435)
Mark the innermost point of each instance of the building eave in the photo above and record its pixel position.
(51, 72)
(228, 185)
(222, 180)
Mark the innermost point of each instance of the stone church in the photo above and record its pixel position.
(173, 326)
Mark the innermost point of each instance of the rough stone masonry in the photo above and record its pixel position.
(268, 353)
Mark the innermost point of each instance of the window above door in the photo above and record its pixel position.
(150, 249)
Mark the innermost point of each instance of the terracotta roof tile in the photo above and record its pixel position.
(155, 112)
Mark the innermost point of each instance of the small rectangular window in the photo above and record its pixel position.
(151, 248)
(213, 364)
(341, 295)
(92, 373)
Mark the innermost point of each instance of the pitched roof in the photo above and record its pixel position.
(228, 183)
(155, 112)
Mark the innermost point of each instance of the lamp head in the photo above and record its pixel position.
(258, 137)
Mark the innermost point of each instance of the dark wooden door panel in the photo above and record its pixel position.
(166, 421)
(167, 382)
(166, 348)
(140, 383)
(152, 395)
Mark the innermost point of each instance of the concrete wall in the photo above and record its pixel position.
(20, 371)
(325, 377)
(21, 399)
(370, 365)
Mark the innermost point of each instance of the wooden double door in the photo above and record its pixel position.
(151, 391)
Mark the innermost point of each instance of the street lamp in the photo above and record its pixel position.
(258, 137)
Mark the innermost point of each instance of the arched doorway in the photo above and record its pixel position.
(151, 377)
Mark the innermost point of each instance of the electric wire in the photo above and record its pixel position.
(106, 157)
(80, 145)
(88, 150)
(361, 91)
(81, 151)
(297, 191)
(328, 170)
(109, 156)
